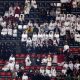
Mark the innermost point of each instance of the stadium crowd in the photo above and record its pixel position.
(43, 38)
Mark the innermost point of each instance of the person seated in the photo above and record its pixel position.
(27, 7)
(17, 66)
(11, 66)
(21, 17)
(11, 10)
(48, 72)
(12, 58)
(71, 65)
(24, 37)
(4, 31)
(49, 61)
(56, 35)
(29, 42)
(42, 71)
(66, 48)
(24, 77)
(28, 61)
(64, 71)
(53, 72)
(34, 4)
(44, 60)
(77, 65)
(65, 65)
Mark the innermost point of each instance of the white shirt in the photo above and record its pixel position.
(48, 72)
(24, 37)
(9, 31)
(34, 38)
(3, 24)
(40, 36)
(11, 66)
(17, 66)
(53, 72)
(28, 61)
(44, 60)
(71, 66)
(77, 65)
(4, 31)
(65, 66)
(12, 59)
(24, 77)
(66, 47)
(67, 23)
(51, 36)
(29, 41)
(56, 35)
(33, 3)
(64, 71)
(42, 71)
(11, 11)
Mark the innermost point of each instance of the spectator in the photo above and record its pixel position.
(11, 10)
(34, 4)
(64, 71)
(24, 77)
(53, 72)
(77, 65)
(12, 59)
(71, 65)
(48, 72)
(28, 61)
(17, 66)
(42, 71)
(49, 61)
(27, 7)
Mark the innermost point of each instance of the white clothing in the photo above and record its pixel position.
(28, 42)
(11, 11)
(12, 59)
(24, 77)
(55, 59)
(66, 47)
(44, 60)
(4, 31)
(33, 3)
(20, 27)
(11, 66)
(64, 71)
(14, 32)
(71, 66)
(42, 71)
(3, 24)
(9, 31)
(24, 37)
(17, 67)
(77, 65)
(28, 61)
(34, 38)
(5, 68)
(49, 61)
(53, 72)
(65, 66)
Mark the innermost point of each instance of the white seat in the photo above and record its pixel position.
(20, 27)
(9, 31)
(15, 33)
(24, 26)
